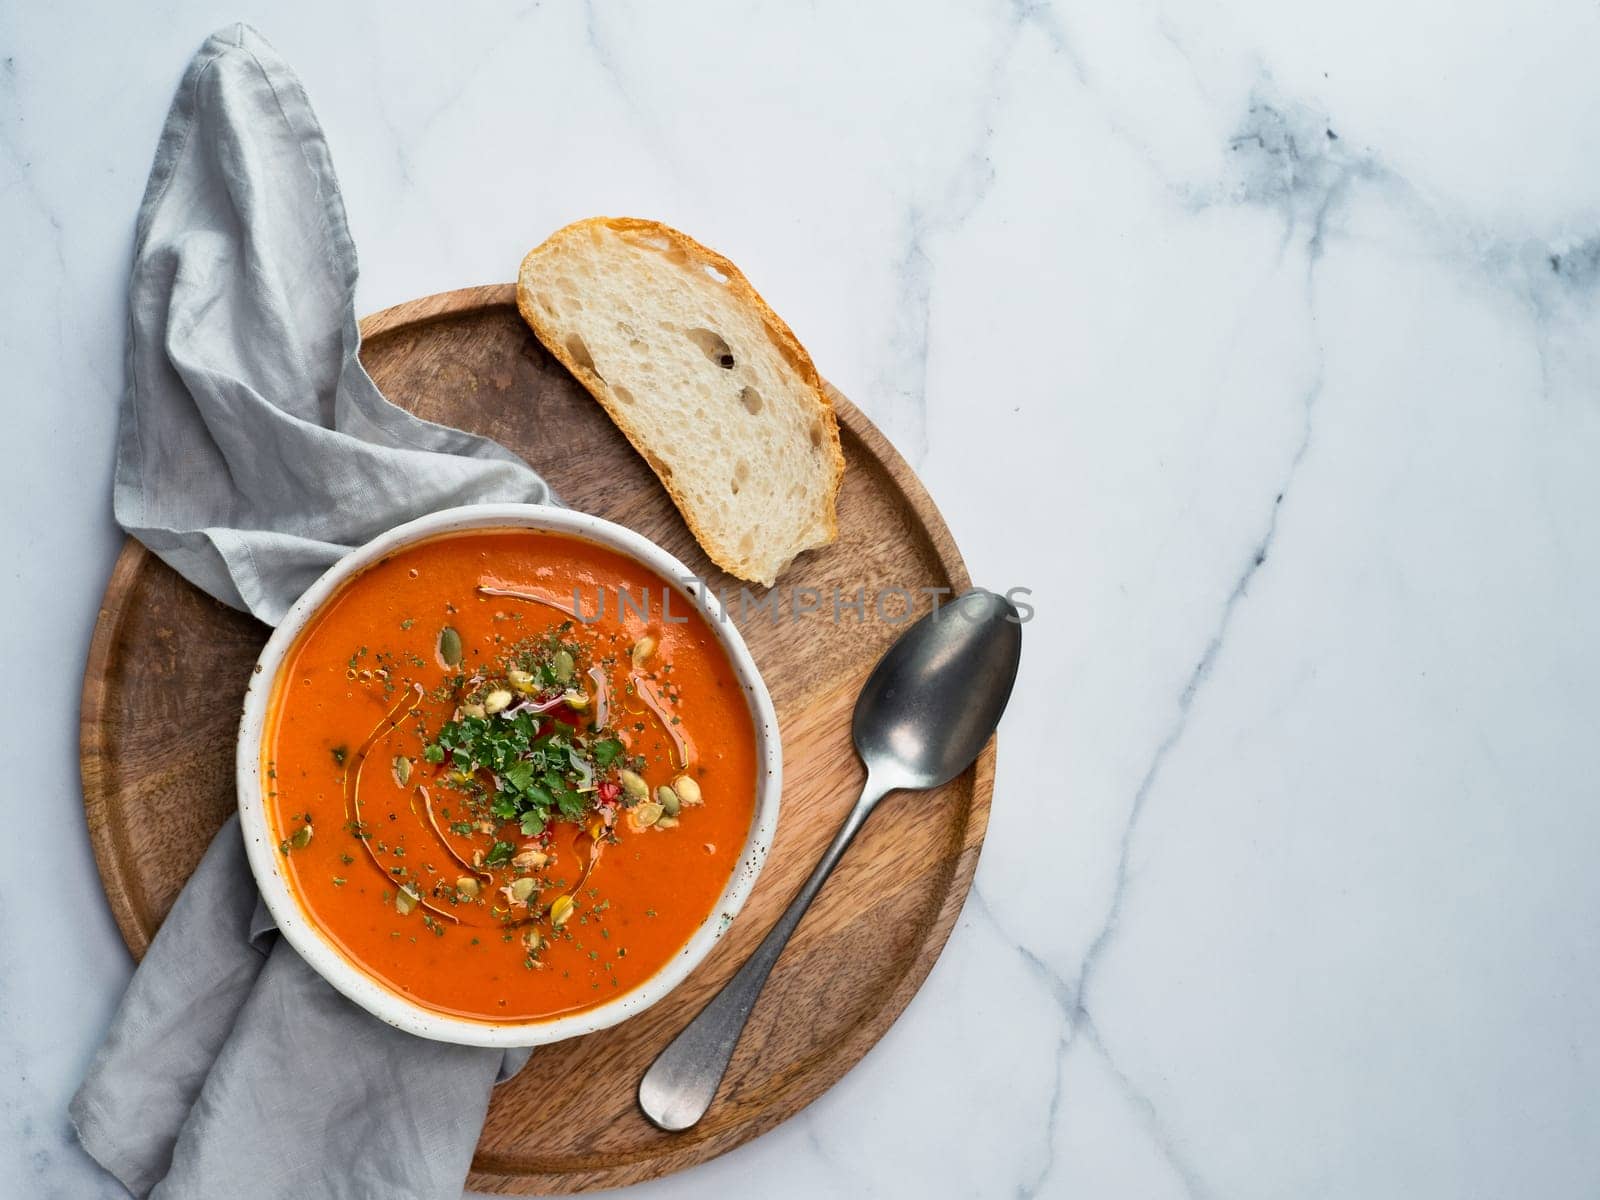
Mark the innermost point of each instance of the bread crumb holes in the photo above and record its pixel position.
(580, 353)
(714, 346)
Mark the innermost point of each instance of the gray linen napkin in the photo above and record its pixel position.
(253, 451)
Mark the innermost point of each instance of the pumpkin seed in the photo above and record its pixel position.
(468, 887)
(532, 939)
(667, 823)
(643, 649)
(497, 701)
(402, 769)
(530, 858)
(301, 838)
(561, 663)
(522, 889)
(474, 710)
(668, 799)
(645, 815)
(633, 783)
(405, 901)
(449, 648)
(561, 911)
(688, 790)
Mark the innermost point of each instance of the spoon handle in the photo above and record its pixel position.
(679, 1086)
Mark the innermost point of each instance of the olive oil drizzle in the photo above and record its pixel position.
(352, 792)
(433, 821)
(647, 693)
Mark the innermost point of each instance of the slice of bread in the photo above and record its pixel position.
(703, 378)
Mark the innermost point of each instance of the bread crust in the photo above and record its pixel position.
(782, 337)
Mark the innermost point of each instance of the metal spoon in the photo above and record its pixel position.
(925, 712)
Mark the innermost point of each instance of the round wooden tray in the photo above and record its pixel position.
(166, 675)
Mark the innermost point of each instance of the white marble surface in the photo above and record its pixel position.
(1260, 340)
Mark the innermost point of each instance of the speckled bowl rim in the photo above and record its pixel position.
(266, 863)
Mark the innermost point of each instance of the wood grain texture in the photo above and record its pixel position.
(167, 670)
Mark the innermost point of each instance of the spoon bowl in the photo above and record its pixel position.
(930, 704)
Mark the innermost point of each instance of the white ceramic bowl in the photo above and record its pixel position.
(266, 863)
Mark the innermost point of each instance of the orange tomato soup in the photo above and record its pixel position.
(500, 811)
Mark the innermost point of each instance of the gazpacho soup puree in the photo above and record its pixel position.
(495, 809)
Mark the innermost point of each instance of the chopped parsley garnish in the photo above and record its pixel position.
(499, 854)
(513, 753)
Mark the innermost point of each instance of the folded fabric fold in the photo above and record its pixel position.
(253, 451)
